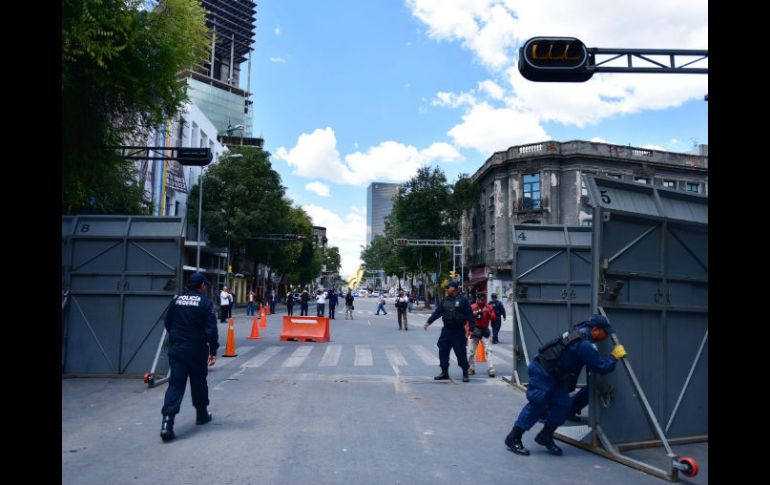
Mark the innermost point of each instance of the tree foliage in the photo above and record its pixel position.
(121, 69)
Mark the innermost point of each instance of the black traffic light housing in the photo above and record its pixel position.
(554, 59)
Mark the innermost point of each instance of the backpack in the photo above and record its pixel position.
(549, 354)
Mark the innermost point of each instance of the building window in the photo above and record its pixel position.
(176, 208)
(491, 237)
(669, 184)
(586, 222)
(615, 176)
(642, 180)
(583, 188)
(532, 191)
(691, 187)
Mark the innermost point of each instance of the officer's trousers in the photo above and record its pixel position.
(290, 309)
(187, 359)
(303, 309)
(496, 327)
(545, 394)
(401, 317)
(452, 339)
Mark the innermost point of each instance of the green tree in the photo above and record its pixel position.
(120, 77)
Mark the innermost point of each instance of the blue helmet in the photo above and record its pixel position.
(600, 321)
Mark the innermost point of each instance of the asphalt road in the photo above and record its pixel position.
(361, 409)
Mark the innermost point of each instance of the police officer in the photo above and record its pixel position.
(455, 310)
(499, 309)
(191, 323)
(553, 374)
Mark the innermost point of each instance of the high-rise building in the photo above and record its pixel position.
(214, 84)
(379, 202)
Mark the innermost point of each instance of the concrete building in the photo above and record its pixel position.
(541, 183)
(379, 202)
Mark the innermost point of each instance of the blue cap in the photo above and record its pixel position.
(600, 321)
(454, 283)
(197, 278)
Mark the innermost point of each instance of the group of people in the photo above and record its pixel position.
(553, 372)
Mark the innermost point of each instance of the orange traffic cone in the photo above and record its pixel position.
(254, 330)
(230, 347)
(263, 321)
(481, 353)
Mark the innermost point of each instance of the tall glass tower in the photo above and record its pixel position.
(379, 202)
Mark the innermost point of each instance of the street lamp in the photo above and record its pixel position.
(200, 210)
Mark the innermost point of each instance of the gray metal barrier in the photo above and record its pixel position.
(121, 273)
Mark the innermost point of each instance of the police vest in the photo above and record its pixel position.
(453, 316)
(549, 355)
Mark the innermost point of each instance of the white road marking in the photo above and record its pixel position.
(298, 356)
(363, 355)
(395, 357)
(427, 357)
(262, 357)
(331, 356)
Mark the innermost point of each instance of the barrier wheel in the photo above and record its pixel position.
(689, 466)
(148, 377)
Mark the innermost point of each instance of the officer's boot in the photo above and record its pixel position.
(545, 438)
(465, 376)
(167, 428)
(202, 416)
(444, 374)
(513, 441)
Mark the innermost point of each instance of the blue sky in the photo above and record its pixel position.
(351, 91)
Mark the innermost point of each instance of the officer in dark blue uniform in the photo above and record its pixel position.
(455, 310)
(191, 323)
(553, 374)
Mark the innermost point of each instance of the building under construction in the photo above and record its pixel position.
(215, 83)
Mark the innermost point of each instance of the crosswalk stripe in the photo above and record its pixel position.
(262, 357)
(363, 355)
(395, 357)
(298, 356)
(331, 356)
(427, 357)
(504, 350)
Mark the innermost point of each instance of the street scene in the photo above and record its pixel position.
(401, 242)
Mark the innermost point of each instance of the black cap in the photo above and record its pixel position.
(494, 296)
(453, 283)
(600, 321)
(197, 278)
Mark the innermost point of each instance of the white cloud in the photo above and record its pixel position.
(493, 30)
(487, 129)
(597, 139)
(278, 60)
(318, 188)
(407, 86)
(277, 30)
(654, 147)
(316, 155)
(348, 234)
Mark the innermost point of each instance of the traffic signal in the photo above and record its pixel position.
(194, 156)
(554, 59)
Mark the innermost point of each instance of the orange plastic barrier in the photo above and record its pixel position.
(305, 329)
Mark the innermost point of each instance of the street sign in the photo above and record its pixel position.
(554, 59)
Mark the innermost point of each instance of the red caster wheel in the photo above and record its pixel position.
(148, 378)
(688, 466)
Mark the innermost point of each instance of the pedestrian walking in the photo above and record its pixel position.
(250, 306)
(272, 301)
(455, 310)
(483, 315)
(332, 303)
(402, 302)
(231, 298)
(381, 305)
(193, 340)
(303, 303)
(320, 302)
(349, 305)
(224, 304)
(410, 305)
(499, 309)
(553, 374)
